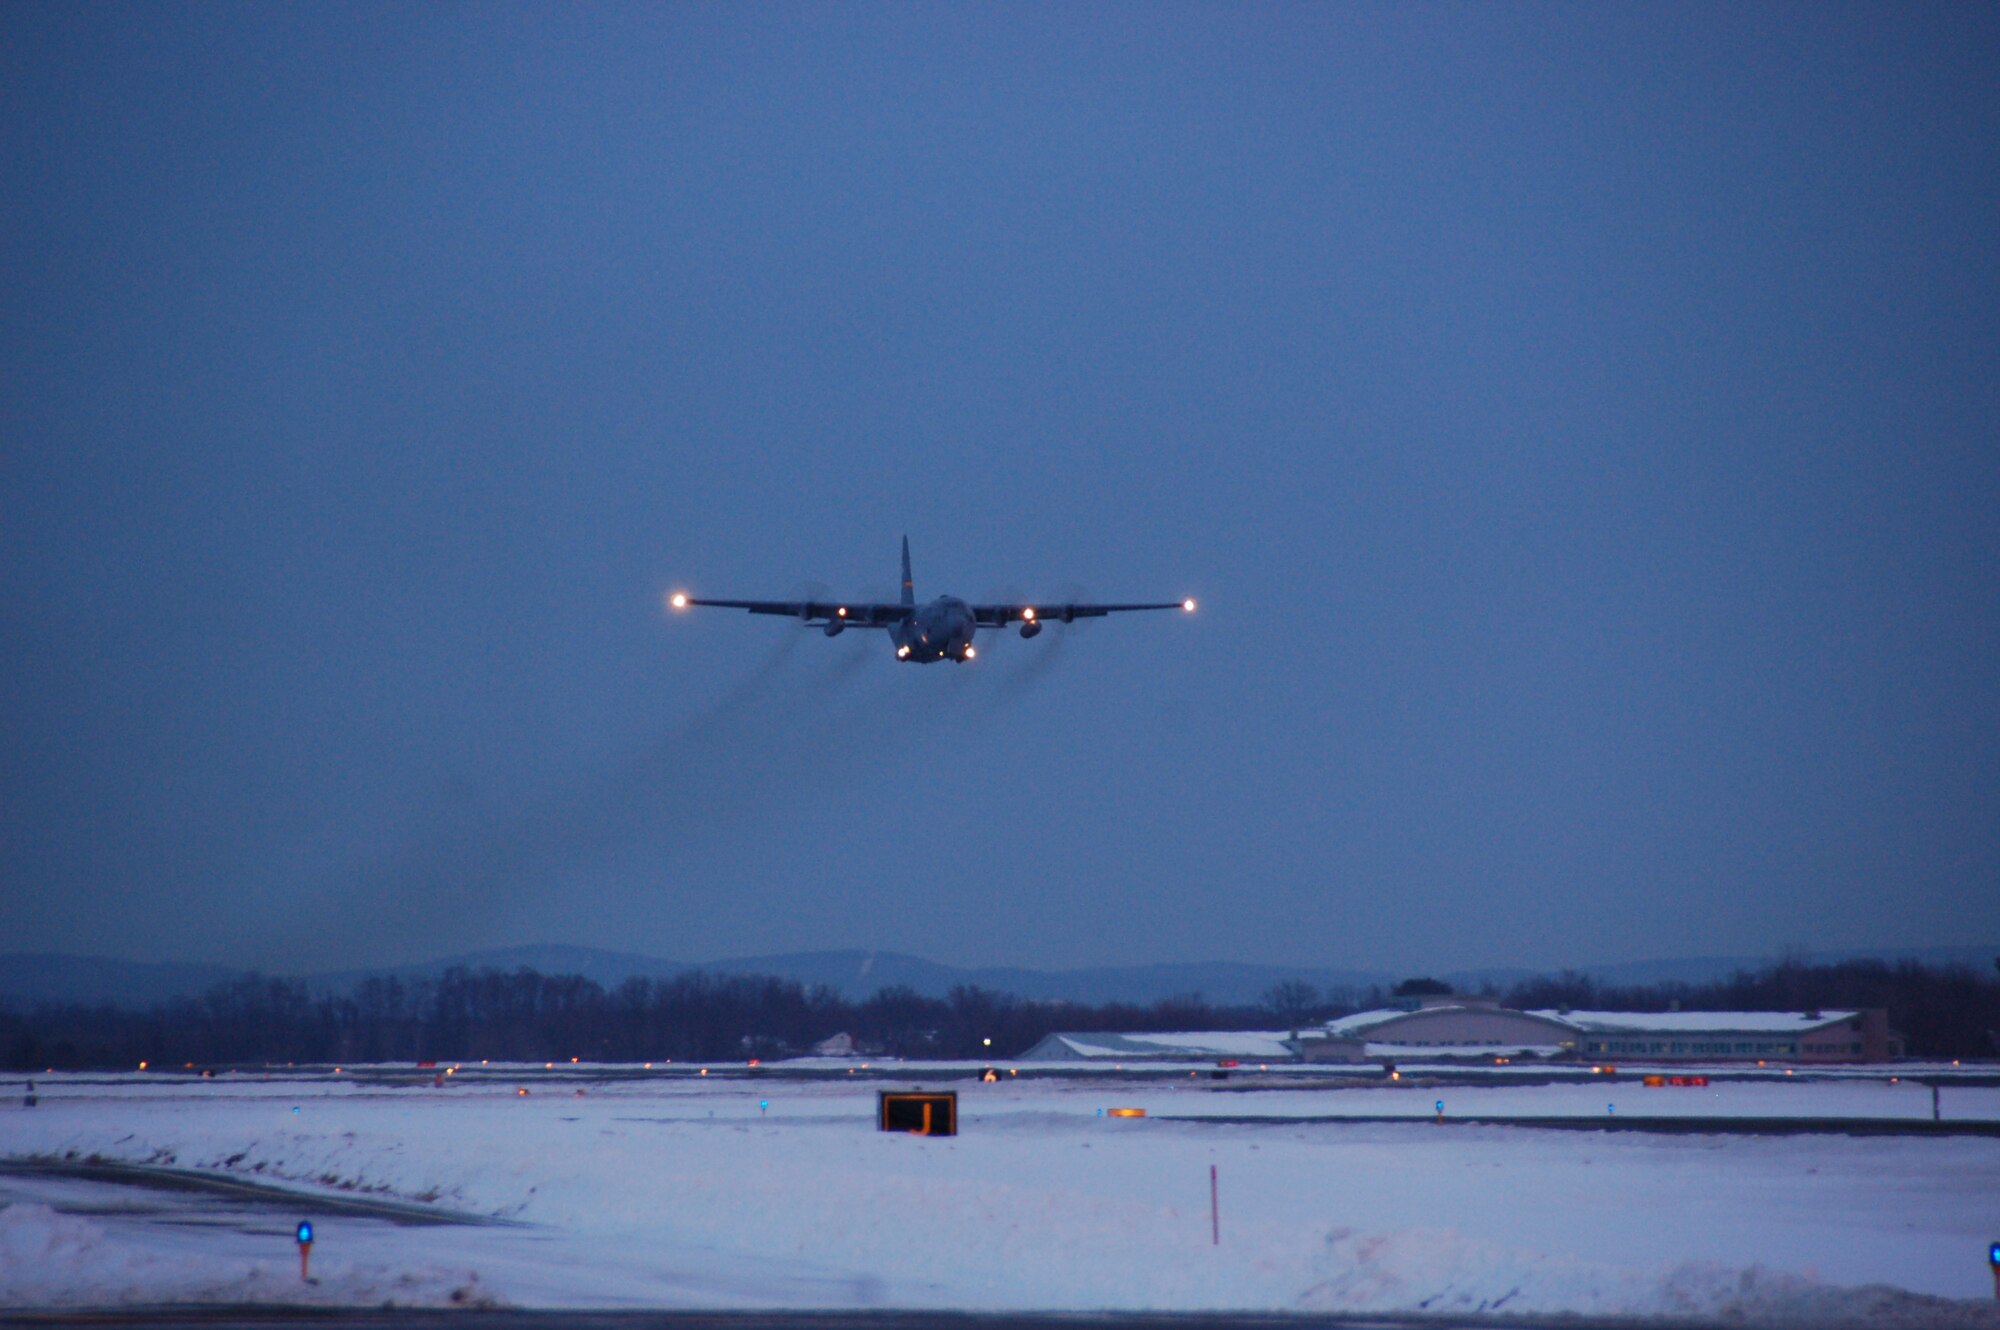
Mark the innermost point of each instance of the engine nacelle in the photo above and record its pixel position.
(833, 628)
(1030, 628)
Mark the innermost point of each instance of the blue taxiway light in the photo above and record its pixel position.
(305, 1231)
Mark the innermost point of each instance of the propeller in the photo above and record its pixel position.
(809, 590)
(1071, 593)
(1005, 595)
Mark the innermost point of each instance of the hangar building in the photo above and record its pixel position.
(1446, 1027)
(1461, 1027)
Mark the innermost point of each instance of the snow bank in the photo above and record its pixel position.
(52, 1260)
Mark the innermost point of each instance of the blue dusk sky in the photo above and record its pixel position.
(1580, 424)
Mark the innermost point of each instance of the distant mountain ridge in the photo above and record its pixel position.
(28, 980)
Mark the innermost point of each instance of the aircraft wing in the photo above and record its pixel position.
(1065, 611)
(855, 614)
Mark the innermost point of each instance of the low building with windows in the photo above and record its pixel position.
(1781, 1036)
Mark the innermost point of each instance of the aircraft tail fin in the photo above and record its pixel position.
(909, 587)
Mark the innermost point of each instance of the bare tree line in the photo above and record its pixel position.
(527, 1016)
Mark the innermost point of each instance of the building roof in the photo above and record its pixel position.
(1361, 1022)
(1698, 1022)
(1379, 1029)
(1197, 1045)
(1364, 1024)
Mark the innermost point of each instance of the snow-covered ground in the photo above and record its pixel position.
(694, 1193)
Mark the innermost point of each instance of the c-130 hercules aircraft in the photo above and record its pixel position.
(942, 629)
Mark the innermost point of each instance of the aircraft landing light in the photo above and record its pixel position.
(679, 600)
(1029, 614)
(1188, 605)
(970, 653)
(842, 611)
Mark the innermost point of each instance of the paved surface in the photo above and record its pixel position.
(266, 1318)
(1689, 1125)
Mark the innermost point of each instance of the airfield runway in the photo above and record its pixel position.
(771, 1198)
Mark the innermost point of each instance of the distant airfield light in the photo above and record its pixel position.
(572, 1059)
(704, 1071)
(1188, 605)
(548, 1066)
(142, 1066)
(521, 1090)
(987, 1042)
(678, 600)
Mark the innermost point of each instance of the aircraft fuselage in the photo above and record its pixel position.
(941, 629)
